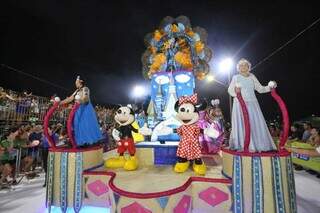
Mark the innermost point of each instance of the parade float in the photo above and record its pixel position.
(153, 180)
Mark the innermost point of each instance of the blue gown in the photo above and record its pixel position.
(85, 124)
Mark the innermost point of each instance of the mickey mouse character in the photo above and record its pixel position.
(125, 118)
(189, 148)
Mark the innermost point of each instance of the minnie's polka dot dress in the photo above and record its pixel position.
(189, 146)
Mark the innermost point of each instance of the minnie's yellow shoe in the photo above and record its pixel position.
(114, 163)
(181, 167)
(200, 169)
(131, 164)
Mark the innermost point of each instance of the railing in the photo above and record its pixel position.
(285, 120)
(70, 126)
(31, 108)
(46, 124)
(246, 122)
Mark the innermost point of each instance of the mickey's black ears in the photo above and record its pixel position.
(201, 106)
(130, 108)
(132, 111)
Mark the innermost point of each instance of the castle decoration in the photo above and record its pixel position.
(172, 98)
(151, 115)
(176, 54)
(159, 103)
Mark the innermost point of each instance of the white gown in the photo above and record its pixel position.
(260, 138)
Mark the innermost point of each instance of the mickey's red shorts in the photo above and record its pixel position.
(126, 144)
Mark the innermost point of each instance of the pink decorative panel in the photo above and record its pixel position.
(135, 208)
(183, 205)
(213, 196)
(98, 188)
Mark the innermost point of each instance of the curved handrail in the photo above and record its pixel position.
(246, 122)
(46, 124)
(70, 126)
(285, 118)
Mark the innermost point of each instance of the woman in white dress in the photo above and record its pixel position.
(246, 83)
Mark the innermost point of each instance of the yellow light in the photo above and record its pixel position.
(210, 78)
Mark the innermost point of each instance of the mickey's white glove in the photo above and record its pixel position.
(116, 134)
(211, 132)
(145, 130)
(272, 84)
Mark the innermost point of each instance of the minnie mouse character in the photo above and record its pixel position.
(125, 118)
(189, 148)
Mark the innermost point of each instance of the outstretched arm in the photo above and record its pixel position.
(69, 99)
(258, 87)
(5, 95)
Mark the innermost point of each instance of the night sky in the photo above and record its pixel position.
(103, 42)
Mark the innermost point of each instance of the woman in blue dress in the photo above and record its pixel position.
(85, 124)
(246, 83)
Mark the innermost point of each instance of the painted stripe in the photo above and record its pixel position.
(291, 186)
(237, 185)
(277, 185)
(257, 185)
(50, 175)
(64, 182)
(78, 193)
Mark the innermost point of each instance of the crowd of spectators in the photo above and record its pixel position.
(21, 118)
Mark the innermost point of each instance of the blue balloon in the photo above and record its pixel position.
(201, 55)
(167, 28)
(181, 27)
(196, 37)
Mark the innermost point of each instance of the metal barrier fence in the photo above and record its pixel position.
(26, 110)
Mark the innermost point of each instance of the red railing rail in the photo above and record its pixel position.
(246, 122)
(70, 125)
(47, 118)
(285, 119)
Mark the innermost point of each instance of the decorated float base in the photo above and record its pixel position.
(157, 188)
(65, 176)
(261, 182)
(241, 183)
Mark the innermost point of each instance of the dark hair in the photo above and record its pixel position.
(12, 129)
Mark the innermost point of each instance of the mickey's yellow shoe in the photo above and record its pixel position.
(181, 167)
(131, 164)
(114, 163)
(200, 169)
